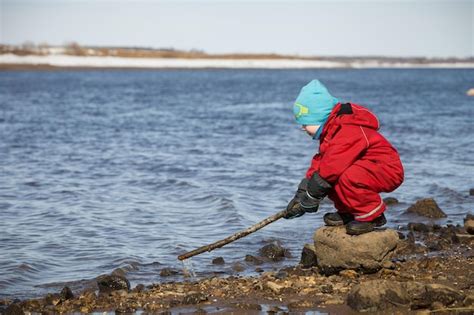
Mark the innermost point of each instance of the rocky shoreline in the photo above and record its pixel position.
(421, 268)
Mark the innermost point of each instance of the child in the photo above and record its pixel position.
(354, 164)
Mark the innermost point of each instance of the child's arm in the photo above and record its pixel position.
(348, 145)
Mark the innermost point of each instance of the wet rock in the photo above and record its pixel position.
(281, 274)
(377, 295)
(238, 267)
(337, 250)
(167, 272)
(273, 286)
(390, 201)
(308, 256)
(66, 294)
(419, 227)
(51, 299)
(469, 224)
(387, 264)
(471, 192)
(139, 288)
(435, 293)
(194, 298)
(469, 300)
(274, 310)
(443, 239)
(449, 233)
(14, 309)
(274, 251)
(108, 283)
(470, 92)
(125, 310)
(350, 274)
(428, 208)
(253, 260)
(218, 261)
(248, 306)
(327, 288)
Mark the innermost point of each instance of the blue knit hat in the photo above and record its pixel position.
(313, 105)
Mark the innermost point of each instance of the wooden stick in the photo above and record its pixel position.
(234, 237)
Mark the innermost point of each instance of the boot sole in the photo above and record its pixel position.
(334, 223)
(358, 232)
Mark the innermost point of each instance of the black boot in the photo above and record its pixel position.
(358, 227)
(336, 218)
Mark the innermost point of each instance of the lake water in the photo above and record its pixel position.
(128, 169)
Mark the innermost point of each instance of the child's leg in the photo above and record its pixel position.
(357, 192)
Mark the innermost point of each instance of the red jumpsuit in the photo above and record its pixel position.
(357, 161)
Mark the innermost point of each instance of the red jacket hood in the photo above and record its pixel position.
(355, 114)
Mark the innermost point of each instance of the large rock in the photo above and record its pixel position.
(336, 250)
(428, 208)
(377, 295)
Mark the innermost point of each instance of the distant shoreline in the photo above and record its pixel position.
(11, 61)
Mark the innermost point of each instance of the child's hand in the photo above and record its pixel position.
(309, 203)
(318, 187)
(294, 209)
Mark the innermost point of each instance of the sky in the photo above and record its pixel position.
(424, 28)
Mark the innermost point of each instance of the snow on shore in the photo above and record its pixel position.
(121, 62)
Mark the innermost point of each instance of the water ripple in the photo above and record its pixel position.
(123, 171)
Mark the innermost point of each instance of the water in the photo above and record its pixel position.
(128, 169)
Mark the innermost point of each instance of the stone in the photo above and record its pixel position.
(66, 294)
(274, 251)
(194, 298)
(14, 309)
(139, 288)
(253, 260)
(350, 274)
(218, 261)
(308, 256)
(366, 253)
(387, 264)
(281, 274)
(469, 300)
(125, 310)
(273, 286)
(419, 227)
(470, 92)
(327, 288)
(167, 272)
(390, 201)
(428, 208)
(440, 293)
(108, 283)
(238, 267)
(376, 295)
(51, 299)
(469, 226)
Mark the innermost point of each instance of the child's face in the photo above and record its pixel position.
(310, 129)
